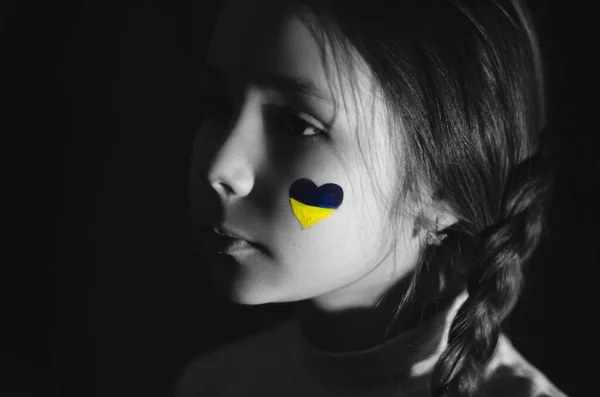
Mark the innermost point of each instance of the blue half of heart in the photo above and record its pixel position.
(328, 195)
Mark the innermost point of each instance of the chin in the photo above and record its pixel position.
(254, 295)
(232, 286)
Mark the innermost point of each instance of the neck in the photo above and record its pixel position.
(343, 331)
(354, 329)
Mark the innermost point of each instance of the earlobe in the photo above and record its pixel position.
(433, 218)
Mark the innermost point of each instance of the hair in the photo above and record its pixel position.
(462, 82)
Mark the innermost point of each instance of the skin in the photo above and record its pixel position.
(244, 163)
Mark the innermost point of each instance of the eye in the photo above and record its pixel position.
(299, 126)
(296, 122)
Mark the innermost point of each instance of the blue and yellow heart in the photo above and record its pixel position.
(311, 204)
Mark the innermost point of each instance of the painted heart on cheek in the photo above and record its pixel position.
(311, 204)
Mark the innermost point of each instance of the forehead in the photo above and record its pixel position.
(267, 39)
(277, 41)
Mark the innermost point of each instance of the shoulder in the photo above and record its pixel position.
(243, 357)
(509, 374)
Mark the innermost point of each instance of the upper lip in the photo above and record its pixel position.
(225, 231)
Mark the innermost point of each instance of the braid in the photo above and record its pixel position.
(494, 281)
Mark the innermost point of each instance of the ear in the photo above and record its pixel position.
(430, 213)
(443, 213)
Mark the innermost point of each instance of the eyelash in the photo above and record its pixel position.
(292, 115)
(221, 108)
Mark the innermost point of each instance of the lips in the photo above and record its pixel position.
(227, 245)
(222, 231)
(225, 241)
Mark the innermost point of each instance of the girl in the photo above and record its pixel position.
(381, 166)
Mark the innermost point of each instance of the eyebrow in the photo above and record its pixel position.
(286, 85)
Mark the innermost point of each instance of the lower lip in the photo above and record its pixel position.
(231, 246)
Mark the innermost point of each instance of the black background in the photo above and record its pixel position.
(100, 292)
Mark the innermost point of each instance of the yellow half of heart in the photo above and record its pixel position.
(308, 215)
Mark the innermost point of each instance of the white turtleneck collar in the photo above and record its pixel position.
(405, 361)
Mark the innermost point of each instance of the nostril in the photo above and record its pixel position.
(231, 178)
(225, 188)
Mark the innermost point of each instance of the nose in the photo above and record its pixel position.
(232, 172)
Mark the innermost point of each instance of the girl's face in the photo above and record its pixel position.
(266, 126)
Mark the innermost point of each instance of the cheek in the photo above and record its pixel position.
(341, 244)
(350, 230)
